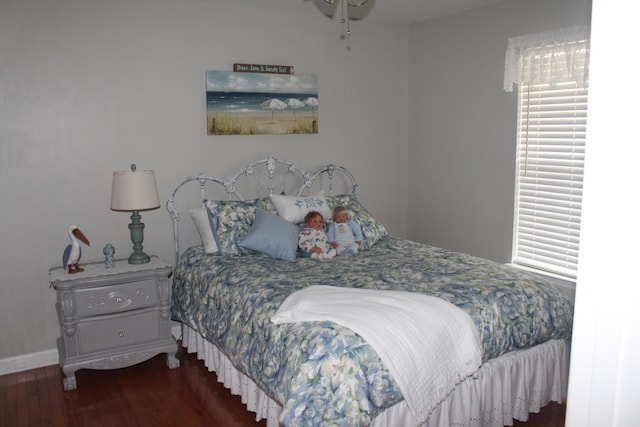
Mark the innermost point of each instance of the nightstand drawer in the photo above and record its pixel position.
(116, 298)
(118, 331)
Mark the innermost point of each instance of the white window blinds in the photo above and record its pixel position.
(552, 122)
(550, 165)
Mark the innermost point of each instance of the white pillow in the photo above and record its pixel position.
(294, 208)
(201, 220)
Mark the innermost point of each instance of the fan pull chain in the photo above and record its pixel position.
(345, 4)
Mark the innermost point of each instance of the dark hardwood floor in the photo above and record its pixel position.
(147, 394)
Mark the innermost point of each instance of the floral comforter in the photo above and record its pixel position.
(322, 373)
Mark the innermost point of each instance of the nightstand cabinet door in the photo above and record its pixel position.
(112, 318)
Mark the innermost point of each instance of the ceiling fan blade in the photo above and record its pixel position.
(358, 9)
(359, 12)
(329, 9)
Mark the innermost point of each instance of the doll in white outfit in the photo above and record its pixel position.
(312, 240)
(344, 233)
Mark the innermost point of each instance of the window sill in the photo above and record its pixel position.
(565, 285)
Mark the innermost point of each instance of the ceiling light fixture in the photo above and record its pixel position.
(328, 7)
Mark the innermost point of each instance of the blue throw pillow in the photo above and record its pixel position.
(273, 236)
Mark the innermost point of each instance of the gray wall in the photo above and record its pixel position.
(462, 126)
(88, 87)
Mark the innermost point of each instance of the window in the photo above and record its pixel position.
(551, 71)
(552, 121)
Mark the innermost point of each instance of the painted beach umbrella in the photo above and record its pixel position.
(273, 104)
(312, 102)
(295, 104)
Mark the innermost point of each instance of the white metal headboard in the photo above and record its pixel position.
(267, 173)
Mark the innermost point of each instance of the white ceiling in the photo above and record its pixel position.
(391, 11)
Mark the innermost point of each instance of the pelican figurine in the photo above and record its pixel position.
(72, 253)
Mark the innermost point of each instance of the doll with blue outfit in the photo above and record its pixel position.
(344, 233)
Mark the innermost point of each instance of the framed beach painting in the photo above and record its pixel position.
(261, 103)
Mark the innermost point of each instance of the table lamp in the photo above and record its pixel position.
(135, 191)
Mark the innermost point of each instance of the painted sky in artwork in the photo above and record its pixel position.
(228, 81)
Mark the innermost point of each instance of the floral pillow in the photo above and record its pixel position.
(294, 208)
(372, 230)
(231, 220)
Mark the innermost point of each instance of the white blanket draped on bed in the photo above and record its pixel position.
(428, 344)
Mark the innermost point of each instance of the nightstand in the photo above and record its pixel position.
(113, 317)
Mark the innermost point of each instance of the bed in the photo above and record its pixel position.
(229, 291)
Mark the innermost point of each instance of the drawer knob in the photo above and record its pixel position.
(118, 300)
(121, 334)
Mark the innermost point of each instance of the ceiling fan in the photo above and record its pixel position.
(350, 10)
(329, 7)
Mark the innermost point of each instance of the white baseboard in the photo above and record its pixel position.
(24, 362)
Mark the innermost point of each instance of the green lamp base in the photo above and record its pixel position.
(137, 236)
(139, 258)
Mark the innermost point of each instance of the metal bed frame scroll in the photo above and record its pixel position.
(267, 173)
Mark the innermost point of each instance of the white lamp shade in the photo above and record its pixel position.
(134, 191)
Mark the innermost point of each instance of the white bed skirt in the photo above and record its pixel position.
(506, 388)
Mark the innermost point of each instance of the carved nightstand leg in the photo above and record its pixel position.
(69, 382)
(172, 361)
